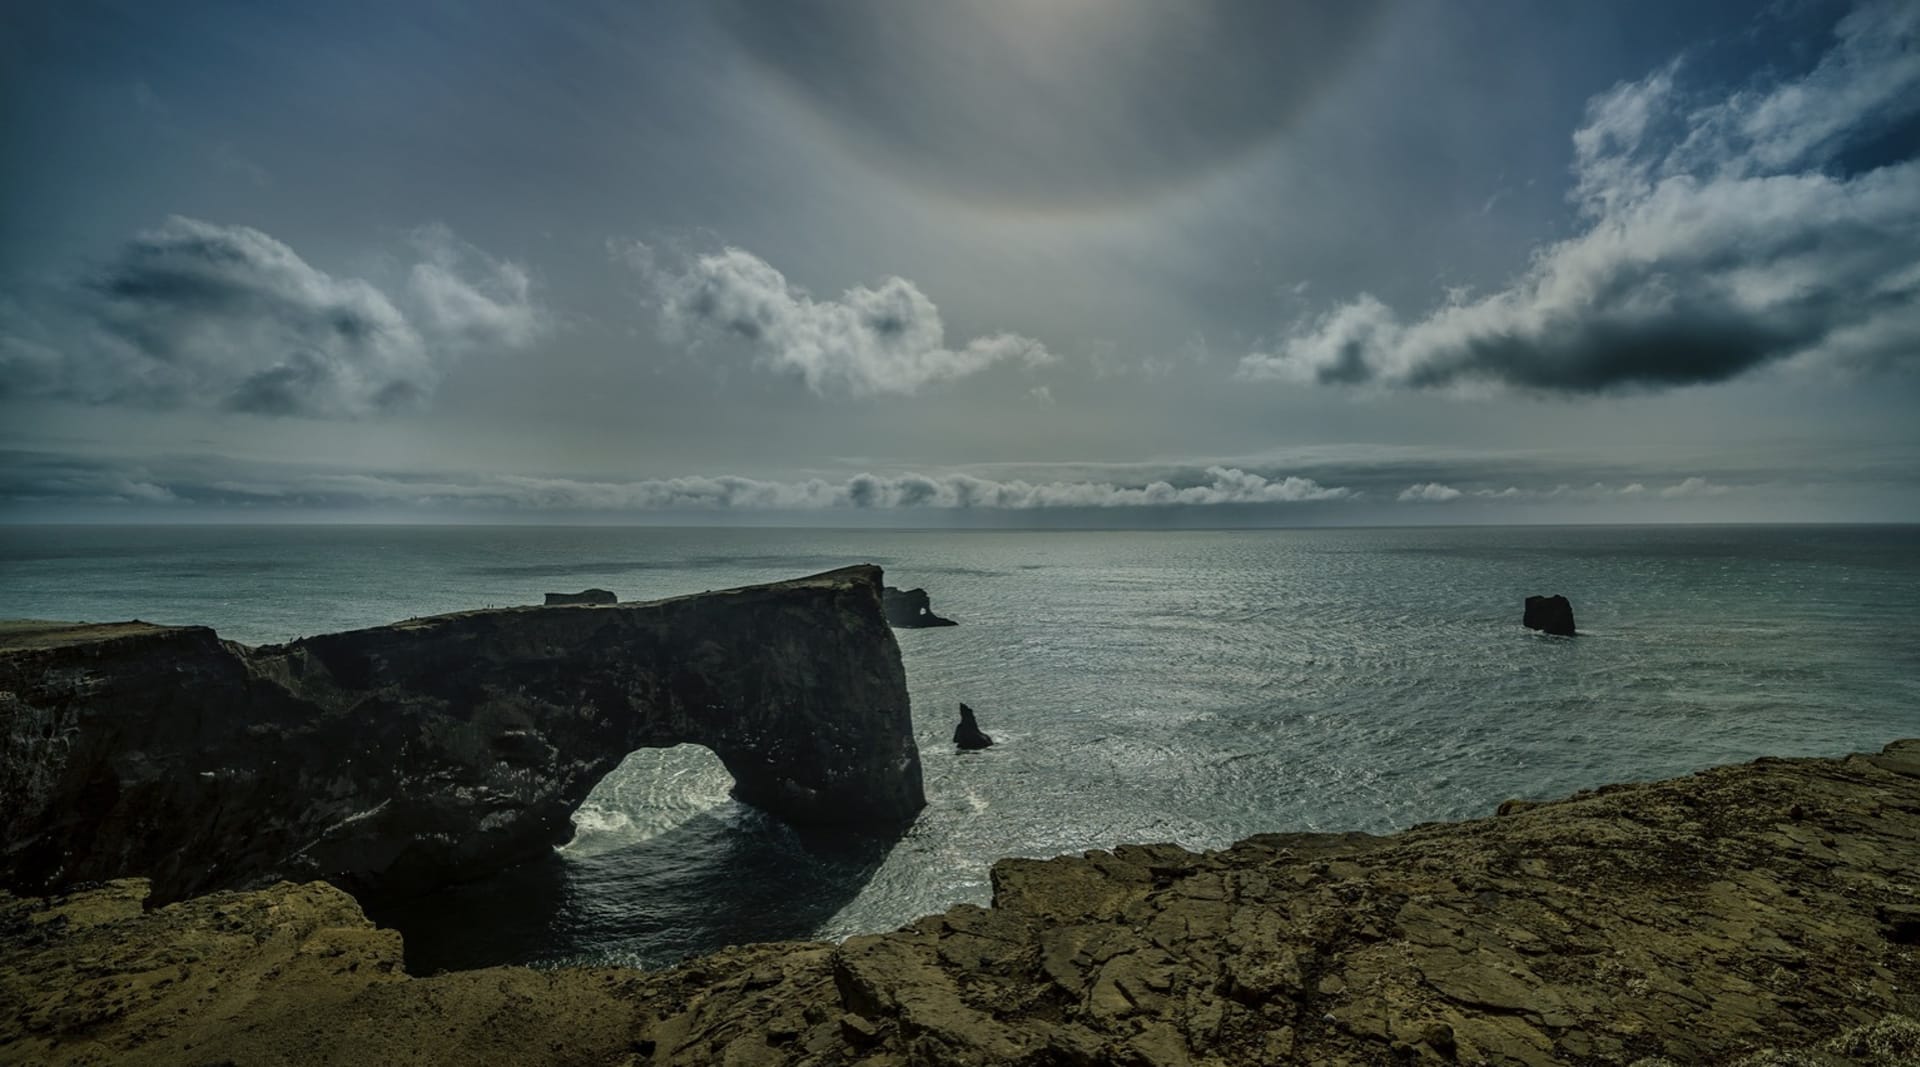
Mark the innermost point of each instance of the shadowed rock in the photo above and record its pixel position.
(968, 734)
(402, 757)
(911, 609)
(1551, 614)
(584, 596)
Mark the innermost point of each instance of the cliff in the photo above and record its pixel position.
(1765, 914)
(397, 758)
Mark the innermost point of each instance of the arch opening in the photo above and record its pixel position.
(652, 792)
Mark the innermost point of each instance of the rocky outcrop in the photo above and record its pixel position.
(911, 609)
(394, 759)
(968, 734)
(1747, 915)
(1549, 614)
(584, 596)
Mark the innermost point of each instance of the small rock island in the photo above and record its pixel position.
(968, 734)
(584, 596)
(1549, 614)
(911, 609)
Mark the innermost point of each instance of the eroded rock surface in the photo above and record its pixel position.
(1745, 915)
(398, 758)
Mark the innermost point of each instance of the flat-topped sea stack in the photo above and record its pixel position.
(1549, 614)
(584, 596)
(911, 609)
(1759, 915)
(395, 759)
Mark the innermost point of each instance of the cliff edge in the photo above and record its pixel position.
(394, 759)
(1765, 915)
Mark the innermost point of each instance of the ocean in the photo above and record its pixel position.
(1194, 687)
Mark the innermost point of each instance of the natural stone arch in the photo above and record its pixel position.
(401, 757)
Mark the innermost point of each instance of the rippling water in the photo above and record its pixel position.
(1193, 686)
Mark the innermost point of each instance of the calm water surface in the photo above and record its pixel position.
(1194, 687)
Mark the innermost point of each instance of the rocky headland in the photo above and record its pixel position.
(395, 759)
(1765, 914)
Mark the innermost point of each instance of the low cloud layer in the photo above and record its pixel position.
(1717, 236)
(39, 479)
(1440, 493)
(887, 339)
(198, 314)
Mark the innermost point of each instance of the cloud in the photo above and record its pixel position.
(1438, 493)
(37, 478)
(887, 339)
(1718, 237)
(197, 314)
(1429, 492)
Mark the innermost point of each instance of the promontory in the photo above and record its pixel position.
(399, 758)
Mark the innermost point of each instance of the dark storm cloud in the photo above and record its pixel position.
(1717, 236)
(196, 314)
(1058, 103)
(887, 338)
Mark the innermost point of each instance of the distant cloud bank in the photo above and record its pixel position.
(1719, 236)
(198, 314)
(41, 480)
(887, 339)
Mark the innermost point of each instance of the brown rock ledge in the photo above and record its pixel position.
(1757, 914)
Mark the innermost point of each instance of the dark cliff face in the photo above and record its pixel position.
(395, 759)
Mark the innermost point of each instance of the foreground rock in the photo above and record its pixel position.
(968, 734)
(1549, 614)
(395, 759)
(584, 596)
(1745, 915)
(911, 609)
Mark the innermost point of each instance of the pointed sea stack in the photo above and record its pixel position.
(1549, 614)
(968, 734)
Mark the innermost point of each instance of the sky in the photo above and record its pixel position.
(984, 263)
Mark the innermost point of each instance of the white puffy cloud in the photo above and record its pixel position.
(887, 339)
(1429, 492)
(1718, 237)
(198, 314)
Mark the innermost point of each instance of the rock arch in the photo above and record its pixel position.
(394, 759)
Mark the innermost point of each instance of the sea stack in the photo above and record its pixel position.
(910, 609)
(584, 596)
(968, 734)
(1549, 614)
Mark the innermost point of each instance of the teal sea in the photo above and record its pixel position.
(1143, 686)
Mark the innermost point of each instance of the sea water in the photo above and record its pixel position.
(1194, 687)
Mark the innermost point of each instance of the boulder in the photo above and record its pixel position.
(584, 596)
(910, 609)
(1549, 614)
(396, 759)
(968, 734)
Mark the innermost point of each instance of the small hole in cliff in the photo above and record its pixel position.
(652, 791)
